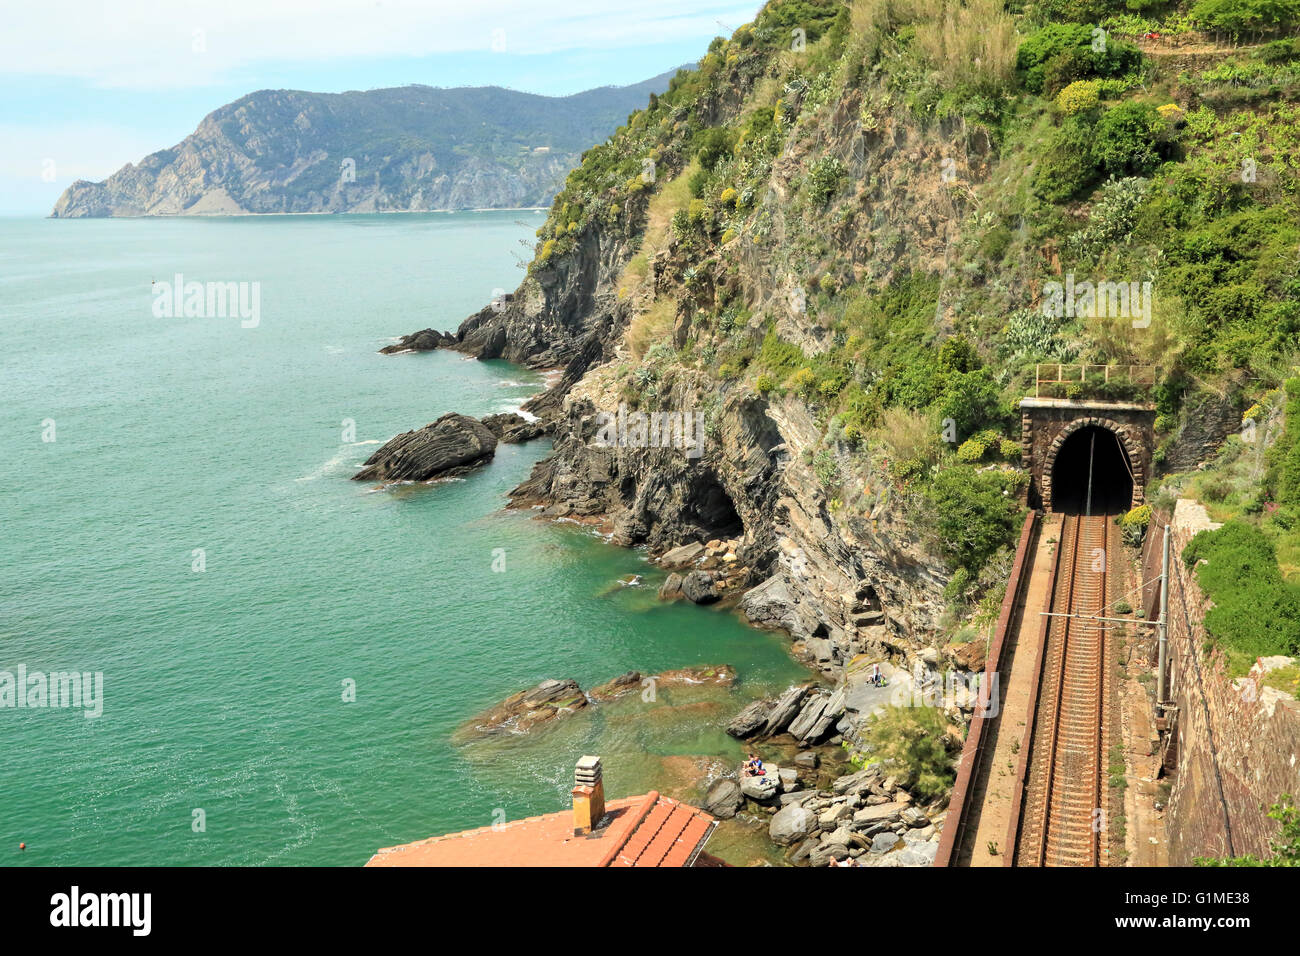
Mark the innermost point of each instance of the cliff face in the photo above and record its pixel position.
(837, 581)
(408, 149)
(826, 248)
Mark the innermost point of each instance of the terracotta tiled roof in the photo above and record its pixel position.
(650, 830)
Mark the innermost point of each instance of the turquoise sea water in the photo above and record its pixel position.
(223, 688)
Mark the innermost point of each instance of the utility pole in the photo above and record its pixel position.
(1163, 625)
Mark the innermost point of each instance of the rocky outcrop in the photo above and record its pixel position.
(527, 709)
(865, 818)
(724, 798)
(450, 446)
(511, 428)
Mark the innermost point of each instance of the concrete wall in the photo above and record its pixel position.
(1046, 423)
(1233, 746)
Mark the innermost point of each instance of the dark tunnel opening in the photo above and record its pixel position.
(1093, 453)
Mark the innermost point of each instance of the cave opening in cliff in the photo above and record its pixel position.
(1092, 474)
(714, 511)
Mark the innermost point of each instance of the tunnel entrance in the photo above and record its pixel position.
(1092, 474)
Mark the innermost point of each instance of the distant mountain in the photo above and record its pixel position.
(405, 149)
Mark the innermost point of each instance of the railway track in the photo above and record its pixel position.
(1062, 817)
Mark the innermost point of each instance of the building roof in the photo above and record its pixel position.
(649, 830)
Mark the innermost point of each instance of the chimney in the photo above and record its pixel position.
(588, 796)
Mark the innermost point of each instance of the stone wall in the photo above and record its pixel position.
(1046, 423)
(1233, 746)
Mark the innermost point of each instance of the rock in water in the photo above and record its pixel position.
(451, 445)
(511, 428)
(787, 706)
(520, 712)
(426, 340)
(698, 587)
(724, 799)
(750, 720)
(623, 684)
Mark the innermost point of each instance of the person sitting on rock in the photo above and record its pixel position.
(877, 678)
(754, 766)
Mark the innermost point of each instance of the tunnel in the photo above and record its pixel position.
(1092, 474)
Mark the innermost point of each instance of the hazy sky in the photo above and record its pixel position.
(89, 85)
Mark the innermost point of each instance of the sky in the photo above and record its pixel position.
(87, 86)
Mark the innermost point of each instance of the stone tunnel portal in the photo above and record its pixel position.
(1092, 474)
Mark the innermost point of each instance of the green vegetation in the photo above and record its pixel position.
(1256, 613)
(909, 743)
(801, 255)
(976, 513)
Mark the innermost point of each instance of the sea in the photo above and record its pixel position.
(276, 657)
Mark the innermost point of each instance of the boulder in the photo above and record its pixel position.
(750, 720)
(724, 798)
(426, 340)
(884, 842)
(791, 824)
(824, 854)
(683, 556)
(807, 760)
(808, 714)
(883, 813)
(913, 817)
(785, 709)
(830, 715)
(671, 589)
(698, 588)
(854, 782)
(841, 835)
(451, 445)
(511, 428)
(920, 855)
(763, 788)
(834, 815)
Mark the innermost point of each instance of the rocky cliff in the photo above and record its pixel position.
(826, 249)
(395, 150)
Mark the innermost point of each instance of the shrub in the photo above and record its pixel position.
(712, 144)
(1256, 613)
(826, 468)
(1133, 524)
(908, 742)
(1067, 167)
(1067, 48)
(1079, 97)
(824, 179)
(765, 383)
(971, 400)
(975, 512)
(729, 196)
(1127, 139)
(804, 381)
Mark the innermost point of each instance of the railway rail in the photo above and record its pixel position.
(1062, 815)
